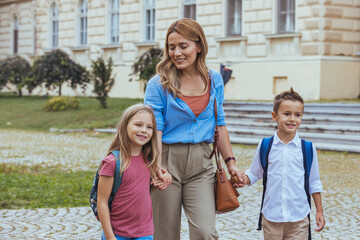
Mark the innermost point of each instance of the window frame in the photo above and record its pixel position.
(83, 23)
(286, 27)
(114, 28)
(54, 26)
(15, 35)
(192, 7)
(231, 20)
(149, 27)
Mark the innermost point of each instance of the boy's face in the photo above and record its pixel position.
(288, 118)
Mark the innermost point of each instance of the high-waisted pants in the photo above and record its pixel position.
(192, 188)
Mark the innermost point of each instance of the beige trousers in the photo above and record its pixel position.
(286, 230)
(192, 188)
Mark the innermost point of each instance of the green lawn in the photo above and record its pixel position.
(24, 187)
(28, 113)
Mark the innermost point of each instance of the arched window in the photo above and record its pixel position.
(16, 35)
(114, 21)
(83, 22)
(54, 20)
(149, 20)
(234, 21)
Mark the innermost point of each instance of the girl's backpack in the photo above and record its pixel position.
(116, 185)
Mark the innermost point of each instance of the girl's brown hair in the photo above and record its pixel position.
(169, 74)
(121, 139)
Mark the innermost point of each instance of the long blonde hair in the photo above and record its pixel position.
(121, 140)
(169, 74)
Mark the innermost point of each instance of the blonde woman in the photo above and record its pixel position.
(182, 95)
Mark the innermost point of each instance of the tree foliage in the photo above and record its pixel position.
(103, 82)
(56, 68)
(145, 67)
(15, 70)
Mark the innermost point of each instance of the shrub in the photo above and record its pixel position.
(103, 82)
(61, 104)
(145, 66)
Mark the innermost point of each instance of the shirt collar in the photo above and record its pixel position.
(295, 141)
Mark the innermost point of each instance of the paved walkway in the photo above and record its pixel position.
(340, 199)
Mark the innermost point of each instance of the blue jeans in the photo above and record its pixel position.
(127, 238)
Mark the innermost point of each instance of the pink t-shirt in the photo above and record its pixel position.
(131, 210)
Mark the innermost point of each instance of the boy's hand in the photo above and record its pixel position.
(320, 221)
(240, 182)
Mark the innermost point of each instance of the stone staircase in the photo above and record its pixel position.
(329, 126)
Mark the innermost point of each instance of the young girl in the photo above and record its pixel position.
(131, 209)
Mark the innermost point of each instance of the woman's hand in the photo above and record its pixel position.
(236, 176)
(164, 179)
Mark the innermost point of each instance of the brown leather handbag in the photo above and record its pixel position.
(225, 194)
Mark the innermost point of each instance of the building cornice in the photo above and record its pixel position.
(3, 2)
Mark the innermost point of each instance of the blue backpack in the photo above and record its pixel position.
(307, 151)
(116, 185)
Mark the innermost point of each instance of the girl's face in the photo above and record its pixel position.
(182, 51)
(140, 130)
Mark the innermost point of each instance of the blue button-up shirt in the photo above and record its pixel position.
(285, 197)
(175, 118)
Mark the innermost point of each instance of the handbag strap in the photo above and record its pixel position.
(215, 150)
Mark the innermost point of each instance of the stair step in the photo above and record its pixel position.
(319, 145)
(311, 136)
(303, 127)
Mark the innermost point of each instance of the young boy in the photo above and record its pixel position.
(285, 206)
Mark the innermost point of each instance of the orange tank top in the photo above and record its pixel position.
(197, 104)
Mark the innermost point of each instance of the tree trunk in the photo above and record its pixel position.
(103, 102)
(60, 90)
(20, 93)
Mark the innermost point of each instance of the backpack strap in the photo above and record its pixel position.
(264, 159)
(307, 151)
(117, 177)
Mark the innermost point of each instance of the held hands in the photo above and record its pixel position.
(236, 176)
(163, 179)
(239, 180)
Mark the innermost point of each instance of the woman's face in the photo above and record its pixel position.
(182, 51)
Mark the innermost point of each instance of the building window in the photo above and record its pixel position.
(234, 9)
(54, 26)
(16, 35)
(83, 22)
(150, 20)
(286, 16)
(190, 9)
(114, 21)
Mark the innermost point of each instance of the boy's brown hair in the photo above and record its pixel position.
(287, 95)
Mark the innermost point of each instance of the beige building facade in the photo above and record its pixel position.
(270, 45)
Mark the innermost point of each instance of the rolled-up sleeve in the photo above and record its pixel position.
(153, 98)
(315, 185)
(219, 86)
(255, 172)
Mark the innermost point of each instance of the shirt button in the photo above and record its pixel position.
(194, 120)
(192, 133)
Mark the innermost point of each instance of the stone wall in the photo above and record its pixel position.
(323, 28)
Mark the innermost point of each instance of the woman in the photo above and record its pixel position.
(182, 95)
